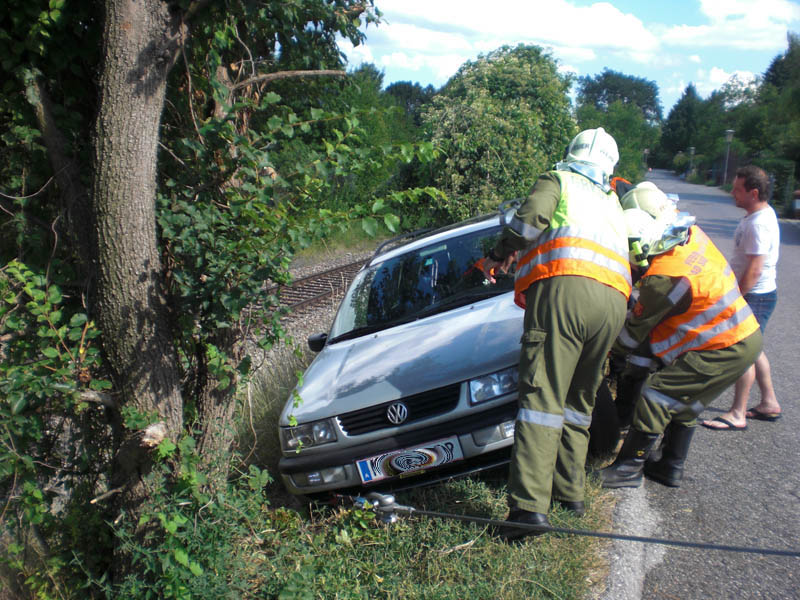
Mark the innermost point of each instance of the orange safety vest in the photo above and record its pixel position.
(718, 316)
(586, 237)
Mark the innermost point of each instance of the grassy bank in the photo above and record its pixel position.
(309, 552)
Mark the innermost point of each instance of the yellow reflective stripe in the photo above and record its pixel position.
(656, 397)
(642, 361)
(679, 290)
(626, 339)
(576, 418)
(617, 244)
(518, 226)
(571, 252)
(705, 317)
(736, 319)
(526, 415)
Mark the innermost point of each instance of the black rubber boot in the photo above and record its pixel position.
(517, 515)
(626, 470)
(668, 468)
(576, 507)
(629, 389)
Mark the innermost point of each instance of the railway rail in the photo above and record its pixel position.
(307, 292)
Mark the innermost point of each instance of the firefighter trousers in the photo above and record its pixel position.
(570, 324)
(681, 390)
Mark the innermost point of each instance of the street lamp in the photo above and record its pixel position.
(691, 159)
(728, 139)
(646, 153)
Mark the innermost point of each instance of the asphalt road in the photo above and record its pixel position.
(740, 488)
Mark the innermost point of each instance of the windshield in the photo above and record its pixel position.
(428, 280)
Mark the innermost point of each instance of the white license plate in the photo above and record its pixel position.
(401, 462)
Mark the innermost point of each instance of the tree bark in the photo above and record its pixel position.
(140, 41)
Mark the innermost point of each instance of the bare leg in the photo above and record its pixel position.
(769, 403)
(741, 392)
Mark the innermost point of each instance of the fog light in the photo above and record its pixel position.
(496, 433)
(312, 478)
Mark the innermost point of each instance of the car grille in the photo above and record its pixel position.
(420, 406)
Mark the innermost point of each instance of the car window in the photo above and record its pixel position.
(427, 280)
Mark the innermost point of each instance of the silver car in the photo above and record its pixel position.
(418, 371)
(418, 374)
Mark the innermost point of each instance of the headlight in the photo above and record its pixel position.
(305, 436)
(493, 385)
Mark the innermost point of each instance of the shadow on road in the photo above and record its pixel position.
(790, 233)
(718, 227)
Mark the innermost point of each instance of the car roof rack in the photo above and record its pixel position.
(410, 236)
(403, 237)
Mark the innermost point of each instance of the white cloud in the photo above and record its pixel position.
(531, 22)
(738, 24)
(431, 39)
(782, 11)
(443, 66)
(356, 54)
(708, 81)
(573, 54)
(422, 39)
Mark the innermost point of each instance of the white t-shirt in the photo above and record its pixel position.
(758, 233)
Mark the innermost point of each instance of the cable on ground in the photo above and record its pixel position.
(388, 509)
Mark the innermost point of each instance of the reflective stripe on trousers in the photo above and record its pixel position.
(656, 397)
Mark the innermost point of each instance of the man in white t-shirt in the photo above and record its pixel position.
(757, 243)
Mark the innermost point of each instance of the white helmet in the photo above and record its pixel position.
(648, 236)
(644, 233)
(592, 153)
(652, 200)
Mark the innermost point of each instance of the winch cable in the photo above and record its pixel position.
(388, 508)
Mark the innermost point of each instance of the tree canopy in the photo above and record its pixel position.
(500, 121)
(602, 90)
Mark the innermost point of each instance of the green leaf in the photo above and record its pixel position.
(166, 448)
(181, 556)
(271, 98)
(77, 320)
(392, 222)
(370, 226)
(195, 568)
(50, 352)
(18, 405)
(99, 385)
(378, 205)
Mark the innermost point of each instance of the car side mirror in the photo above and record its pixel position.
(317, 341)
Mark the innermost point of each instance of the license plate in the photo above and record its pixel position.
(411, 460)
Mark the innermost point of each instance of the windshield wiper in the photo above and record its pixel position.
(367, 329)
(461, 299)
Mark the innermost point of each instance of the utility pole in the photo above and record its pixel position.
(728, 139)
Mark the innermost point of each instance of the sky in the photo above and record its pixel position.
(671, 42)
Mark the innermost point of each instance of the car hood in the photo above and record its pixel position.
(443, 349)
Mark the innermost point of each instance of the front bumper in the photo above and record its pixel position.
(336, 469)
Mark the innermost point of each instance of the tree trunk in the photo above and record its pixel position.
(140, 41)
(67, 175)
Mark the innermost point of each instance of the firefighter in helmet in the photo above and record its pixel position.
(698, 327)
(573, 280)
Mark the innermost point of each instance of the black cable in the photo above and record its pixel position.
(384, 503)
(613, 536)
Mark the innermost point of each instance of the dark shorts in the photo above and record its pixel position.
(762, 306)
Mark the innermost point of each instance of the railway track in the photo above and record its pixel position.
(310, 291)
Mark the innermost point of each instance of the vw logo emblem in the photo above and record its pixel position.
(397, 413)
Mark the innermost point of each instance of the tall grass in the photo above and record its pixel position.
(323, 552)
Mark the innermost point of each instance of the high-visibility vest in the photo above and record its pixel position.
(586, 237)
(718, 316)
